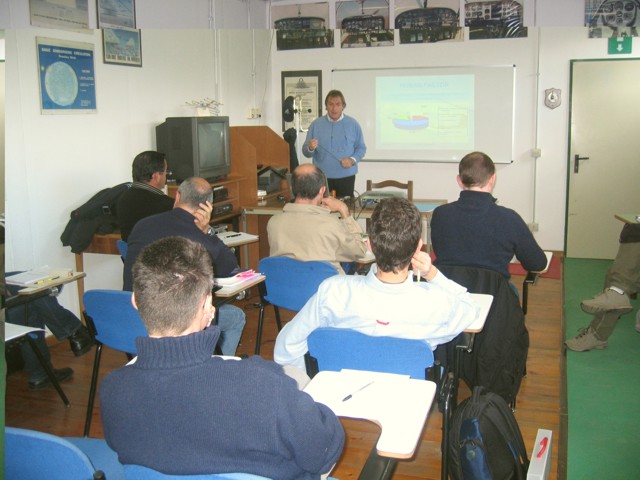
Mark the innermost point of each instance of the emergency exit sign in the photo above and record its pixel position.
(619, 45)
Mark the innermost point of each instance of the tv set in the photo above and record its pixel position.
(195, 147)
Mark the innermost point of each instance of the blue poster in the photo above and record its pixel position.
(67, 76)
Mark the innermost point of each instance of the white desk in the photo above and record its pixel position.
(228, 291)
(398, 404)
(484, 301)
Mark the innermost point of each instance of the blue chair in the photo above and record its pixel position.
(289, 284)
(138, 472)
(337, 348)
(111, 318)
(32, 455)
(122, 248)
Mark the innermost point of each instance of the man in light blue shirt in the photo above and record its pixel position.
(336, 144)
(387, 301)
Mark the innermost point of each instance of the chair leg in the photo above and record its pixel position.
(447, 391)
(259, 330)
(278, 322)
(92, 389)
(47, 368)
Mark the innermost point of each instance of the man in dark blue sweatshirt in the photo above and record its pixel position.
(181, 411)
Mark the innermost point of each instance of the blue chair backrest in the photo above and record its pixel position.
(338, 348)
(117, 322)
(290, 283)
(31, 455)
(122, 248)
(138, 472)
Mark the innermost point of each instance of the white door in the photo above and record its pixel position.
(605, 143)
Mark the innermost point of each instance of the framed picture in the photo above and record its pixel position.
(122, 46)
(306, 89)
(116, 13)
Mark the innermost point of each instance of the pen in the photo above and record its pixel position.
(234, 235)
(359, 390)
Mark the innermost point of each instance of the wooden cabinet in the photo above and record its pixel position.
(251, 149)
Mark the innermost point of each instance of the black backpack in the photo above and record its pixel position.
(485, 441)
(96, 215)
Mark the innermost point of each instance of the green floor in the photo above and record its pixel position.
(603, 386)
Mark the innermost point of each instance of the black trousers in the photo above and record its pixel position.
(342, 186)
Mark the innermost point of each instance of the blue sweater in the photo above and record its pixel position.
(473, 231)
(175, 222)
(336, 140)
(181, 411)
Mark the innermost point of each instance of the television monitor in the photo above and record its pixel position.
(195, 146)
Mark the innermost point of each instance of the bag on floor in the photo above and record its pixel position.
(485, 441)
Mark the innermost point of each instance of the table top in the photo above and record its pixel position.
(233, 290)
(237, 239)
(71, 277)
(484, 301)
(398, 404)
(628, 217)
(273, 206)
(13, 331)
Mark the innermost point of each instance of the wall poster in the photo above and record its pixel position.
(306, 89)
(66, 76)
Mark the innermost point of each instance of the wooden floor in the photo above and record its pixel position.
(539, 399)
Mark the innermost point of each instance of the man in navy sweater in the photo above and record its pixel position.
(193, 194)
(181, 411)
(474, 231)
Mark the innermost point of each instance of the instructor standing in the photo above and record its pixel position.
(336, 144)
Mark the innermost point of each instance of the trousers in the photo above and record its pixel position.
(41, 313)
(231, 321)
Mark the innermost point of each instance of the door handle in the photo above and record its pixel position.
(576, 164)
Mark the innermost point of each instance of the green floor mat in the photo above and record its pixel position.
(603, 386)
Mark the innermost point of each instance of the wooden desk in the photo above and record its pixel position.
(255, 217)
(398, 404)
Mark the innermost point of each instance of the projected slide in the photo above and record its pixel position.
(418, 112)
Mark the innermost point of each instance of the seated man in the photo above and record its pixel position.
(621, 281)
(145, 197)
(181, 221)
(475, 232)
(181, 411)
(306, 230)
(387, 301)
(41, 313)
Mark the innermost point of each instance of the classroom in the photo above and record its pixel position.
(226, 50)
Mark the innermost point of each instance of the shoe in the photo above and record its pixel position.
(585, 340)
(606, 301)
(638, 321)
(61, 374)
(80, 341)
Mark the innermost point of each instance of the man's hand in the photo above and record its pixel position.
(421, 262)
(347, 162)
(336, 205)
(313, 144)
(203, 216)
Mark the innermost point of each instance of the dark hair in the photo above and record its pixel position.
(194, 191)
(395, 233)
(172, 277)
(307, 182)
(475, 169)
(146, 164)
(333, 94)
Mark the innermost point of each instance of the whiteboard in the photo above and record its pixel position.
(432, 114)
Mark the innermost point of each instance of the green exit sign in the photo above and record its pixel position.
(619, 45)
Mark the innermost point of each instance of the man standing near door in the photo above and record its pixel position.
(336, 144)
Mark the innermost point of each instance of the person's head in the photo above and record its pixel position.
(307, 182)
(476, 172)
(172, 282)
(150, 167)
(335, 103)
(192, 192)
(395, 233)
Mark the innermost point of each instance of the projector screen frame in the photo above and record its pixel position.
(495, 136)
